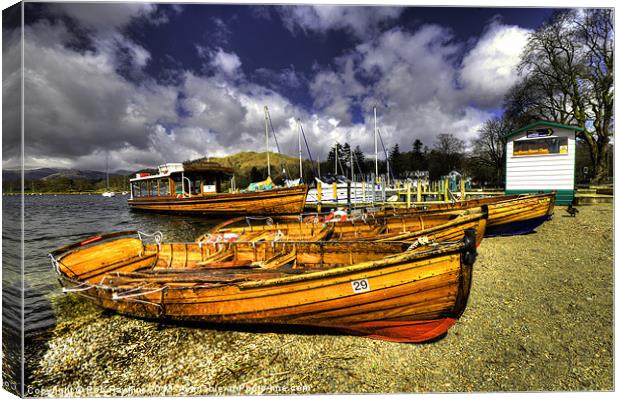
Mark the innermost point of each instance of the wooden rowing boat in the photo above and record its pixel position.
(440, 226)
(376, 289)
(508, 214)
(195, 189)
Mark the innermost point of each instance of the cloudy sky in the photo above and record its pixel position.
(153, 83)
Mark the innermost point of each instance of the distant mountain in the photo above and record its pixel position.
(123, 172)
(243, 162)
(53, 173)
(76, 174)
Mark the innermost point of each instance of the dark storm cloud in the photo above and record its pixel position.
(85, 103)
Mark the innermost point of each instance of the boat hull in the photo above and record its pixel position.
(508, 215)
(519, 227)
(519, 216)
(280, 201)
(436, 227)
(410, 296)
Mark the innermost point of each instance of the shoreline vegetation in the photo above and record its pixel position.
(540, 317)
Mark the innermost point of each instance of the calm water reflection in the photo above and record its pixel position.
(52, 221)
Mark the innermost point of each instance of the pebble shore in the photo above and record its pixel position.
(539, 318)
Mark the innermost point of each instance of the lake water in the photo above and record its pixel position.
(52, 221)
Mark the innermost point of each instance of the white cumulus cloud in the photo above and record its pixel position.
(489, 69)
(359, 20)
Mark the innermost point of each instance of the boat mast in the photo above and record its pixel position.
(107, 174)
(336, 160)
(299, 140)
(376, 155)
(267, 141)
(351, 162)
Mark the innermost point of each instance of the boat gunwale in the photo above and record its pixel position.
(405, 256)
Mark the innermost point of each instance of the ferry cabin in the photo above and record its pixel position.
(176, 180)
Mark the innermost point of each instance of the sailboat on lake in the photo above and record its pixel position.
(107, 192)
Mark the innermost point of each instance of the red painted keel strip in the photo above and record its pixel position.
(402, 331)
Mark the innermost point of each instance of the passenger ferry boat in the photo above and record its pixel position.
(197, 189)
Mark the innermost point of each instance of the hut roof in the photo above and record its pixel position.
(545, 123)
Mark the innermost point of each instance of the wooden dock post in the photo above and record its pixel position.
(462, 189)
(445, 190)
(374, 187)
(335, 191)
(363, 191)
(408, 194)
(383, 199)
(349, 194)
(419, 186)
(319, 195)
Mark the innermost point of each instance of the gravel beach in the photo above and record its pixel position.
(539, 318)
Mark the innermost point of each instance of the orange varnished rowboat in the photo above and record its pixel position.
(508, 215)
(376, 289)
(440, 226)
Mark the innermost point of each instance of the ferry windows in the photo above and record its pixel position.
(143, 190)
(542, 146)
(209, 186)
(195, 186)
(164, 187)
(178, 185)
(135, 189)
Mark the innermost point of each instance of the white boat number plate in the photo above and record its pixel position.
(360, 285)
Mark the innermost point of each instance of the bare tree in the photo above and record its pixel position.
(489, 148)
(568, 78)
(447, 155)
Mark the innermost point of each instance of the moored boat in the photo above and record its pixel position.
(196, 189)
(377, 289)
(508, 215)
(441, 226)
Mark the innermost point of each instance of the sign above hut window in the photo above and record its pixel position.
(543, 132)
(541, 146)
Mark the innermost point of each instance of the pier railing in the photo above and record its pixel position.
(399, 194)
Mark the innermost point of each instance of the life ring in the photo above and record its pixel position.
(336, 216)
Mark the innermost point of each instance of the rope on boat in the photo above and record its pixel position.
(158, 236)
(117, 297)
(55, 264)
(268, 220)
(420, 241)
(76, 289)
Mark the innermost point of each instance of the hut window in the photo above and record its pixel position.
(542, 146)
